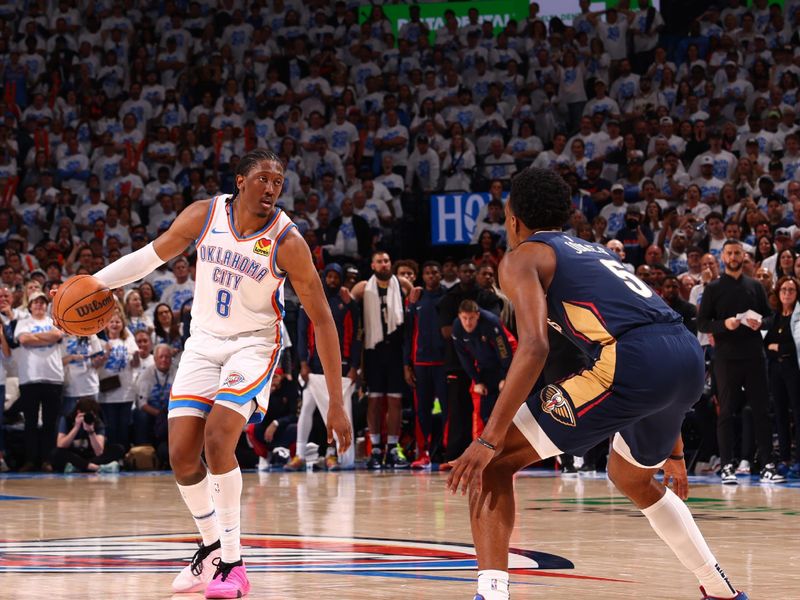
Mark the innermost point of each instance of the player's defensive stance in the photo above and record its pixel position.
(647, 372)
(246, 246)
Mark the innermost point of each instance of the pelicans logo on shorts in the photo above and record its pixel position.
(263, 247)
(555, 404)
(233, 379)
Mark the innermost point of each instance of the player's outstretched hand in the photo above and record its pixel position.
(675, 477)
(468, 468)
(339, 424)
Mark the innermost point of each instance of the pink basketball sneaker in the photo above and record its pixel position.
(195, 576)
(230, 581)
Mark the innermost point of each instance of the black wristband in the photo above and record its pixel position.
(483, 442)
(676, 456)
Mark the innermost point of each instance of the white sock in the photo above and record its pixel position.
(671, 520)
(493, 585)
(375, 439)
(305, 422)
(392, 440)
(199, 502)
(227, 494)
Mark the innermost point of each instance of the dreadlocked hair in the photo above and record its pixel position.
(249, 162)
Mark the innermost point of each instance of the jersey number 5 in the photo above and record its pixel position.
(633, 282)
(223, 303)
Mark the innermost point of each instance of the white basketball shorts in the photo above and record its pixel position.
(234, 371)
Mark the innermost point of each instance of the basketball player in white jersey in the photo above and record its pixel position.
(246, 246)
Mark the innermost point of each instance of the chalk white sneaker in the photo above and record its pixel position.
(195, 576)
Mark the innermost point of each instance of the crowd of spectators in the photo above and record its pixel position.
(116, 115)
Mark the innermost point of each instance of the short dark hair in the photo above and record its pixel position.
(431, 263)
(731, 242)
(469, 306)
(406, 262)
(540, 198)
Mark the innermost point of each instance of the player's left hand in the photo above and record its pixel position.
(675, 477)
(339, 424)
(468, 468)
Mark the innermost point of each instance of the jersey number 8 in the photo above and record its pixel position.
(224, 303)
(631, 280)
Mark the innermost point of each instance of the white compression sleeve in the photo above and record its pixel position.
(130, 268)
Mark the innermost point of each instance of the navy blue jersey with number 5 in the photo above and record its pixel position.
(593, 299)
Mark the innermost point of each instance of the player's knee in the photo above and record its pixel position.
(618, 470)
(614, 475)
(217, 444)
(500, 470)
(184, 464)
(626, 477)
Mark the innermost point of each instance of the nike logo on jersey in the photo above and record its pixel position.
(214, 230)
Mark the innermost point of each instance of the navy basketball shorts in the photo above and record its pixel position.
(383, 370)
(638, 390)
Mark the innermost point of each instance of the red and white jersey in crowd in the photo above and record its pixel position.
(238, 285)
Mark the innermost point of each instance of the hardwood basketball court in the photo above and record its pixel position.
(353, 536)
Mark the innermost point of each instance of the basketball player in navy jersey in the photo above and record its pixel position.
(246, 247)
(646, 372)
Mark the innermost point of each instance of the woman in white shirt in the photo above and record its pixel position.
(458, 166)
(138, 319)
(30, 288)
(116, 377)
(598, 62)
(41, 379)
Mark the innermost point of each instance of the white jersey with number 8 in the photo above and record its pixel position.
(238, 285)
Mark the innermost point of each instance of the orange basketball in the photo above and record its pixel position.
(83, 305)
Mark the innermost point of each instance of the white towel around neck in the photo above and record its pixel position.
(373, 330)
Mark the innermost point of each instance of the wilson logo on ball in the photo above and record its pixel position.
(263, 247)
(94, 306)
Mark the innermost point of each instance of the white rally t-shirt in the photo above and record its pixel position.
(39, 364)
(80, 376)
(119, 363)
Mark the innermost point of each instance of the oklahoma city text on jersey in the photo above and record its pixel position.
(235, 261)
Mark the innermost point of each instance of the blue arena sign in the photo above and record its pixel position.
(453, 216)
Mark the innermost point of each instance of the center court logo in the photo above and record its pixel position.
(264, 552)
